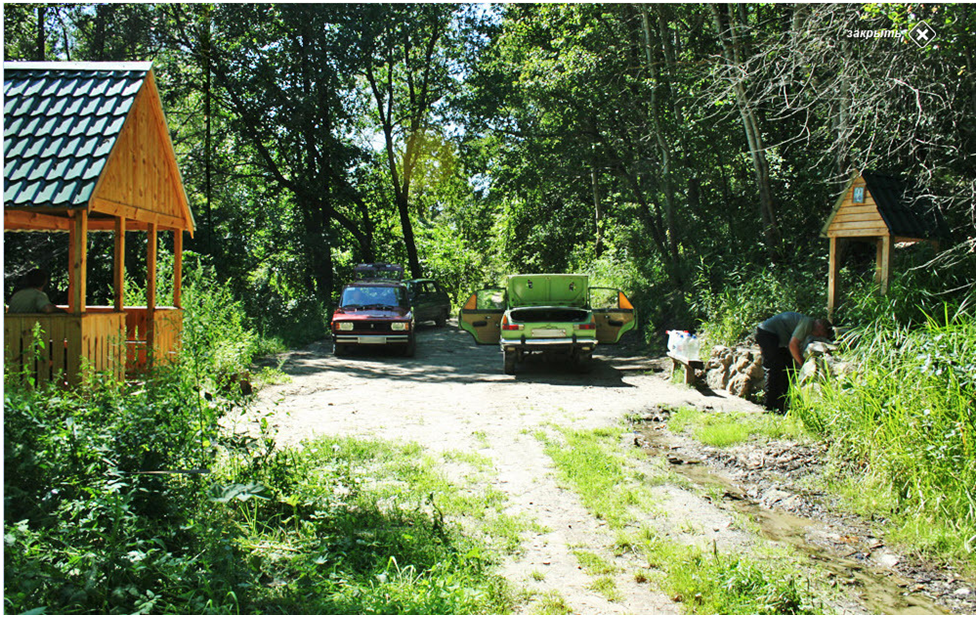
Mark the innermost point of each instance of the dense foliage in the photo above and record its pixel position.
(689, 152)
(123, 501)
(901, 420)
(136, 498)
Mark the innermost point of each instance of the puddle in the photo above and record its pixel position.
(878, 590)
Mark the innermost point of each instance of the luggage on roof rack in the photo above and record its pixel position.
(388, 272)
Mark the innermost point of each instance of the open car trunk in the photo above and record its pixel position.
(549, 314)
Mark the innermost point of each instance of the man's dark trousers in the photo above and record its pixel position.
(777, 361)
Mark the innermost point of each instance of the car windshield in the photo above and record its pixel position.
(362, 296)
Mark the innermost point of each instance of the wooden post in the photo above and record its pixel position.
(150, 291)
(878, 275)
(78, 268)
(884, 253)
(177, 267)
(119, 263)
(833, 273)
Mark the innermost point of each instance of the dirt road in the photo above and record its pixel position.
(453, 396)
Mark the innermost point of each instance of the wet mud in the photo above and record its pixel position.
(849, 554)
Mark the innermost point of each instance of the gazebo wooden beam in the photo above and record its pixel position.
(132, 213)
(151, 252)
(21, 220)
(177, 267)
(884, 261)
(834, 248)
(119, 263)
(78, 268)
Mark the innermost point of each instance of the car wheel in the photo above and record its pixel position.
(583, 362)
(340, 349)
(441, 319)
(411, 348)
(509, 361)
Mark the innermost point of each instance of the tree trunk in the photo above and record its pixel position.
(664, 149)
(734, 54)
(41, 38)
(598, 215)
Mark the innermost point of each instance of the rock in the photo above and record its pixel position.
(742, 363)
(809, 371)
(717, 378)
(772, 496)
(739, 371)
(886, 559)
(756, 371)
(740, 386)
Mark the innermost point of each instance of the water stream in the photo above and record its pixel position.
(878, 590)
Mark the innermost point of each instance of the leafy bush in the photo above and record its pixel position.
(283, 319)
(125, 498)
(903, 418)
(732, 300)
(87, 528)
(917, 289)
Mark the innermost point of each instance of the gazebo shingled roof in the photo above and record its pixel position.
(88, 135)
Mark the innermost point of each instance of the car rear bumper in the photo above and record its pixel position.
(548, 344)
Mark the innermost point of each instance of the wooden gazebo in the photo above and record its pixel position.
(87, 149)
(880, 209)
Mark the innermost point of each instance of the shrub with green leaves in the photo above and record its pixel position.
(732, 300)
(903, 418)
(126, 498)
(92, 518)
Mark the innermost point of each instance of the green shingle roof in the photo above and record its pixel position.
(60, 121)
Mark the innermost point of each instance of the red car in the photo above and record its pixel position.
(373, 311)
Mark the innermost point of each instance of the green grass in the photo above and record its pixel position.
(709, 582)
(609, 485)
(594, 564)
(605, 585)
(552, 603)
(902, 423)
(729, 428)
(592, 464)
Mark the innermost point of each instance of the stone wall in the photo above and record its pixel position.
(736, 370)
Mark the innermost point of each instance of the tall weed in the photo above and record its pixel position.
(903, 417)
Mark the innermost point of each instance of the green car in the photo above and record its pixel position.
(554, 313)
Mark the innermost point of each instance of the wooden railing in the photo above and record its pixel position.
(62, 347)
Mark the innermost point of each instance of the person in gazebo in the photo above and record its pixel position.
(30, 298)
(780, 339)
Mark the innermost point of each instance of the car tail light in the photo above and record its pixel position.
(510, 326)
(588, 326)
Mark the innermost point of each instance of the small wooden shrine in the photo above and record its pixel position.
(87, 149)
(884, 210)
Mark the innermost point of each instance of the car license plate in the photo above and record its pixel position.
(548, 333)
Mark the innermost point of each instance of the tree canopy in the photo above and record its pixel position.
(647, 143)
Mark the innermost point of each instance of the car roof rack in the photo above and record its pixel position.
(379, 271)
